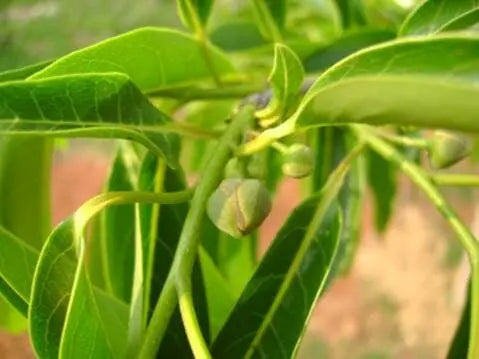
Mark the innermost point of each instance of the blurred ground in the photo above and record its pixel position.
(402, 299)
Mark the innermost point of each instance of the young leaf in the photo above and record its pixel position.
(285, 79)
(119, 232)
(91, 105)
(194, 13)
(383, 182)
(467, 20)
(287, 281)
(63, 296)
(151, 57)
(432, 15)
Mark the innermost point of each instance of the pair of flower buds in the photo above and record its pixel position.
(239, 205)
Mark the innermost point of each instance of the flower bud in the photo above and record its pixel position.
(298, 161)
(446, 149)
(239, 206)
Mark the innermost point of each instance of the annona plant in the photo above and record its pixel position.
(341, 93)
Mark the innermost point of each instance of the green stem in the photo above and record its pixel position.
(186, 253)
(192, 327)
(94, 205)
(403, 140)
(278, 146)
(266, 21)
(467, 239)
(455, 179)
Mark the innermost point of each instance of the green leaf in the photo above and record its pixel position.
(24, 72)
(17, 264)
(25, 199)
(401, 82)
(460, 342)
(332, 145)
(277, 8)
(270, 15)
(351, 199)
(328, 55)
(330, 149)
(220, 298)
(432, 15)
(270, 317)
(382, 178)
(466, 21)
(92, 105)
(352, 13)
(229, 254)
(237, 35)
(286, 79)
(150, 57)
(194, 11)
(65, 316)
(119, 232)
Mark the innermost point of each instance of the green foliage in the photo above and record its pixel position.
(438, 15)
(205, 139)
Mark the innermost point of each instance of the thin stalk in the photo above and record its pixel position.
(203, 40)
(403, 140)
(192, 327)
(467, 239)
(94, 205)
(155, 212)
(455, 179)
(278, 146)
(178, 278)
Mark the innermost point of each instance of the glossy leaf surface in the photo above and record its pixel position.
(91, 105)
(62, 295)
(432, 15)
(253, 328)
(402, 82)
(150, 57)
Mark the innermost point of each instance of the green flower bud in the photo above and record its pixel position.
(446, 149)
(298, 161)
(239, 206)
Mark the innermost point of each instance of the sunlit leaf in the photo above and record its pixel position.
(150, 57)
(434, 15)
(91, 105)
(401, 82)
(286, 79)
